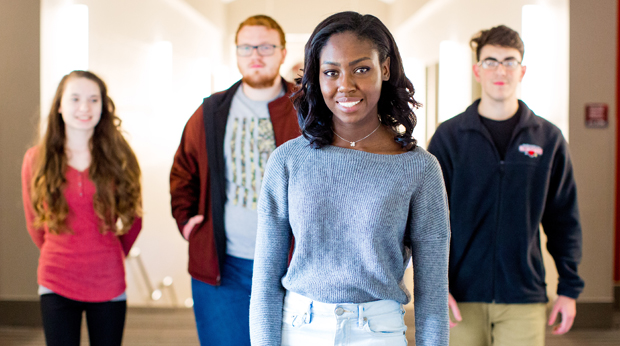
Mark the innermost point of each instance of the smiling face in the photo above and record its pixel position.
(81, 104)
(260, 71)
(499, 84)
(350, 77)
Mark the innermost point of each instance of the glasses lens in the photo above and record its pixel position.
(266, 49)
(244, 50)
(510, 64)
(486, 64)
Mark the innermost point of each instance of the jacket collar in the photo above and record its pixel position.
(471, 119)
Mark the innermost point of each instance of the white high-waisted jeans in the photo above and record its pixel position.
(306, 322)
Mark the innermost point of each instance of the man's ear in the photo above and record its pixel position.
(385, 69)
(523, 68)
(476, 69)
(283, 55)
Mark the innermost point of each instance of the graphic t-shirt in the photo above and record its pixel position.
(248, 142)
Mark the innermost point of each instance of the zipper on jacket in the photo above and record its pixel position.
(497, 226)
(497, 214)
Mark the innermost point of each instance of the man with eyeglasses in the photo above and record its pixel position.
(216, 178)
(507, 171)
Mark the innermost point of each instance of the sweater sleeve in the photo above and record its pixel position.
(129, 238)
(439, 148)
(430, 237)
(37, 234)
(273, 240)
(561, 224)
(185, 184)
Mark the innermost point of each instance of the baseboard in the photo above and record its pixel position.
(25, 313)
(28, 313)
(594, 315)
(156, 309)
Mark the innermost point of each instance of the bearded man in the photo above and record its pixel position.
(216, 177)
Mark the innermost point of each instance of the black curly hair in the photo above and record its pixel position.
(396, 102)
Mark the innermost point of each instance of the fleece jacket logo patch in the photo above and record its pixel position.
(531, 150)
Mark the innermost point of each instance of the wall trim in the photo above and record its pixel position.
(594, 315)
(28, 313)
(617, 216)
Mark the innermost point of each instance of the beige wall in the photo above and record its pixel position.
(300, 16)
(401, 10)
(19, 111)
(593, 79)
(213, 10)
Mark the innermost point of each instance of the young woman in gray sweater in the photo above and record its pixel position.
(358, 198)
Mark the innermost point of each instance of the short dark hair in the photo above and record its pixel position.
(396, 102)
(266, 21)
(500, 35)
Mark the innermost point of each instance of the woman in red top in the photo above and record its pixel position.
(82, 200)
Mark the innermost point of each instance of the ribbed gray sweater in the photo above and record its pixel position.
(357, 218)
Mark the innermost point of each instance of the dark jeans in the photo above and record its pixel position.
(223, 312)
(62, 321)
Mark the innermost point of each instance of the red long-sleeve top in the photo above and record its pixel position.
(84, 265)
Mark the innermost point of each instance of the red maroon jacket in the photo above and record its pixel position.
(198, 181)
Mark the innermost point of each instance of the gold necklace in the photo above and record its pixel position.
(359, 140)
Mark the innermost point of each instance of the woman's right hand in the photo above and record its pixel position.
(455, 311)
(189, 226)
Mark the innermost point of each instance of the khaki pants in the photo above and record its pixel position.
(486, 324)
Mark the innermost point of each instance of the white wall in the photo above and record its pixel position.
(545, 88)
(157, 61)
(420, 37)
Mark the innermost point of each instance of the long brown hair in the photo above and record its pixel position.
(114, 169)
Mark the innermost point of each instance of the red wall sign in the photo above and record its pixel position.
(596, 115)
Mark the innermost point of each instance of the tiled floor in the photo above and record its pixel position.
(155, 327)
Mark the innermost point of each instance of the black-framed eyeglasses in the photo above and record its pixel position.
(245, 50)
(491, 64)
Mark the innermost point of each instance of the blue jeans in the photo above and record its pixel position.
(223, 312)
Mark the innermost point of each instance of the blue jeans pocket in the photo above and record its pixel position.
(387, 324)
